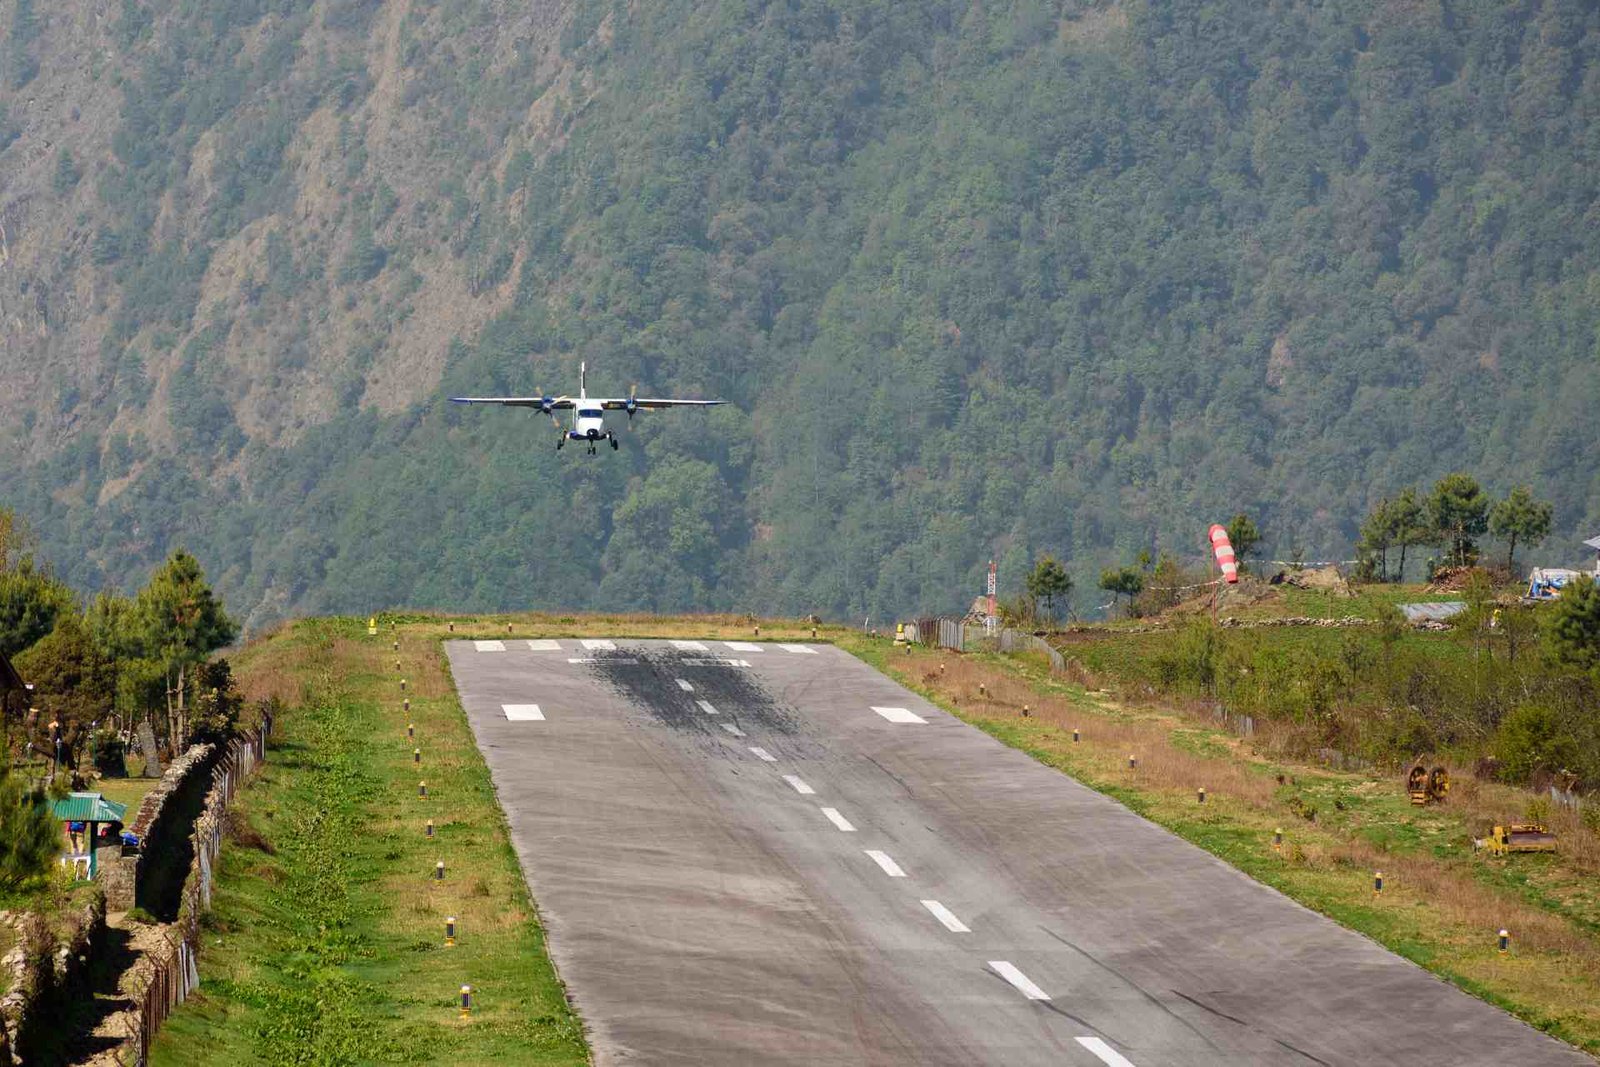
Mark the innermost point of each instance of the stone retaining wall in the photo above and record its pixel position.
(120, 877)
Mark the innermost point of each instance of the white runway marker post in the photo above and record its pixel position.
(884, 860)
(946, 916)
(838, 820)
(899, 714)
(763, 755)
(1007, 970)
(1108, 1055)
(799, 785)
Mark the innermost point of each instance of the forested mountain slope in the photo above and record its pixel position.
(982, 279)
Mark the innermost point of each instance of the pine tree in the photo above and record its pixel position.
(1519, 517)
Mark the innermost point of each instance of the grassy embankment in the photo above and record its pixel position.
(1441, 905)
(326, 942)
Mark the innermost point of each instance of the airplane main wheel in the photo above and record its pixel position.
(614, 445)
(560, 441)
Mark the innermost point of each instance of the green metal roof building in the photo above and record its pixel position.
(90, 809)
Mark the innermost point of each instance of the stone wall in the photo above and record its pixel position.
(43, 970)
(120, 877)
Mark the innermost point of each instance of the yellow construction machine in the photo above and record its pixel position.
(1427, 787)
(1518, 837)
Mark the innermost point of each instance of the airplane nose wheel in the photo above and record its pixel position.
(614, 445)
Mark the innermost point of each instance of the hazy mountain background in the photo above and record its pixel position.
(981, 279)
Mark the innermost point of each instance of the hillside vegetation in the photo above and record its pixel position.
(980, 279)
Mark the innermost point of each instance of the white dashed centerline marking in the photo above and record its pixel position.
(804, 650)
(1108, 1055)
(899, 714)
(1005, 969)
(596, 659)
(705, 706)
(742, 646)
(882, 859)
(489, 646)
(689, 646)
(799, 786)
(838, 820)
(946, 916)
(598, 644)
(763, 755)
(544, 645)
(732, 729)
(716, 663)
(685, 686)
(523, 712)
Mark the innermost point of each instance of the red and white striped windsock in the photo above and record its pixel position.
(1222, 548)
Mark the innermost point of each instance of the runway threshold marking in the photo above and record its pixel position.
(544, 645)
(763, 755)
(884, 860)
(690, 646)
(685, 686)
(838, 820)
(799, 785)
(705, 706)
(804, 650)
(716, 663)
(523, 712)
(598, 644)
(489, 646)
(899, 714)
(1108, 1055)
(732, 729)
(596, 659)
(743, 646)
(946, 916)
(1007, 970)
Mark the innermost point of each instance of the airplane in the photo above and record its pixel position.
(589, 422)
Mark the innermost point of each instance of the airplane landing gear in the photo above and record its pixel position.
(614, 445)
(561, 442)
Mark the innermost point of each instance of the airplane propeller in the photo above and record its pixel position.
(633, 403)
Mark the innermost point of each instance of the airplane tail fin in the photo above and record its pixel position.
(583, 370)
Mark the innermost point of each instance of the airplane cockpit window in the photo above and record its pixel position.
(589, 413)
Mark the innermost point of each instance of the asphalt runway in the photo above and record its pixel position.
(772, 854)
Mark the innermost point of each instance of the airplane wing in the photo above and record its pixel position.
(547, 403)
(649, 402)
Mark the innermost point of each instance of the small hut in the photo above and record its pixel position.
(85, 813)
(1594, 543)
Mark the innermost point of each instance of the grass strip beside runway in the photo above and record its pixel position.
(1440, 907)
(326, 942)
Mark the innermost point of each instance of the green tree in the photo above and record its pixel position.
(1377, 537)
(1244, 537)
(66, 175)
(71, 680)
(1408, 524)
(217, 703)
(28, 840)
(1519, 517)
(1458, 511)
(1574, 630)
(1122, 581)
(31, 600)
(1048, 581)
(181, 622)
